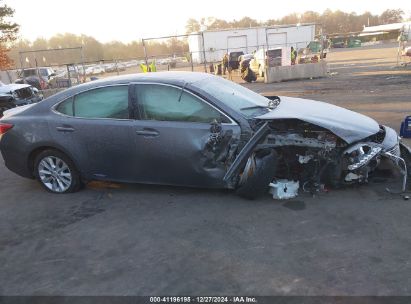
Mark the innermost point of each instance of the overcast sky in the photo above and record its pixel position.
(128, 20)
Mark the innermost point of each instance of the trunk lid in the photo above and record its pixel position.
(15, 111)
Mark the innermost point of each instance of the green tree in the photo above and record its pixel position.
(310, 17)
(192, 26)
(244, 22)
(8, 34)
(219, 24)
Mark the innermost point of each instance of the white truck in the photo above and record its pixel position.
(264, 58)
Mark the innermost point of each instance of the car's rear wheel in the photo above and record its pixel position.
(56, 172)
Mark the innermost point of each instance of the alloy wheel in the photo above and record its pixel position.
(55, 174)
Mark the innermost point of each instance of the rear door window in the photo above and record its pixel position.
(107, 102)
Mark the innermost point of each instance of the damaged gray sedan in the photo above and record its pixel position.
(192, 129)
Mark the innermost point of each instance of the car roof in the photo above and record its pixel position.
(178, 78)
(40, 68)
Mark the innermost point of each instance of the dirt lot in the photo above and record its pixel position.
(117, 239)
(366, 80)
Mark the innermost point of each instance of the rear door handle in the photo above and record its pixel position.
(65, 129)
(148, 133)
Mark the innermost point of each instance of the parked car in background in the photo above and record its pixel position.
(266, 58)
(339, 44)
(98, 69)
(121, 66)
(74, 71)
(95, 70)
(81, 70)
(89, 70)
(14, 95)
(110, 67)
(37, 77)
(192, 129)
(233, 59)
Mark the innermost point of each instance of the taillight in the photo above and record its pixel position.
(4, 127)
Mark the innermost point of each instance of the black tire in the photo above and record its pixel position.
(406, 155)
(265, 170)
(75, 183)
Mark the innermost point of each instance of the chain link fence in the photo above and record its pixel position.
(79, 70)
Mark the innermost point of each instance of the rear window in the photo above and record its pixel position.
(274, 53)
(33, 72)
(66, 107)
(43, 72)
(235, 55)
(28, 73)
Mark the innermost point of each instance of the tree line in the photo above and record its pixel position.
(93, 50)
(330, 21)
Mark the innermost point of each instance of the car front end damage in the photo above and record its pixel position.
(16, 95)
(314, 156)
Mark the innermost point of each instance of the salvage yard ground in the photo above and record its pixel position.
(117, 239)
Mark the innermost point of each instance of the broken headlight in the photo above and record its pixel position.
(361, 154)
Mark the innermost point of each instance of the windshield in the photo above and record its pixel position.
(33, 72)
(28, 73)
(234, 95)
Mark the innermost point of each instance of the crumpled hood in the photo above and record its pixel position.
(348, 125)
(7, 89)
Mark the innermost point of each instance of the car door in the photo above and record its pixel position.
(180, 138)
(95, 127)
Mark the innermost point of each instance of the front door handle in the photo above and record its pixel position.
(148, 133)
(65, 129)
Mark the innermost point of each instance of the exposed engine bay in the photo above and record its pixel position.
(316, 157)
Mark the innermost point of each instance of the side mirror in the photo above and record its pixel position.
(52, 75)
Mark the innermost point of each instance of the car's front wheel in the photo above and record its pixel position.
(56, 172)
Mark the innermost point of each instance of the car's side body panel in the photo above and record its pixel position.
(27, 135)
(102, 148)
(154, 150)
(185, 153)
(179, 153)
(182, 152)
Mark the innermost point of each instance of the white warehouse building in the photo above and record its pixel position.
(215, 43)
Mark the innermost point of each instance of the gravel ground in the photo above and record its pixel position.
(118, 239)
